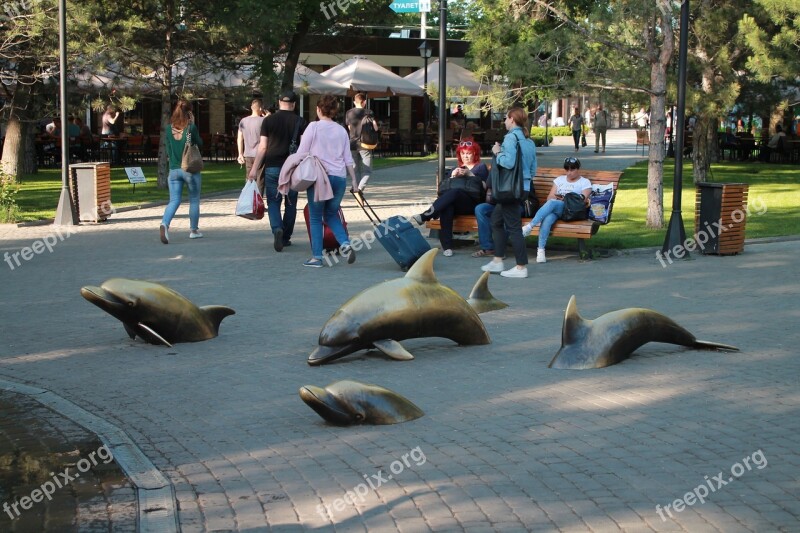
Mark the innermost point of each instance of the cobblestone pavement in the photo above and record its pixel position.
(35, 443)
(506, 443)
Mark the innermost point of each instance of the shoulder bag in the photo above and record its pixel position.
(574, 207)
(308, 170)
(192, 160)
(507, 183)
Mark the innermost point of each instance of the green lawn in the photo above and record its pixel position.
(773, 197)
(39, 193)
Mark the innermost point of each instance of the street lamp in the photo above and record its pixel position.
(425, 52)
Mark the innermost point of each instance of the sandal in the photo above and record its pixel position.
(483, 253)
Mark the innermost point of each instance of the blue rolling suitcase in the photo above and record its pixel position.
(401, 238)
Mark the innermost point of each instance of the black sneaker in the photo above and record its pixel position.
(277, 242)
(348, 252)
(313, 263)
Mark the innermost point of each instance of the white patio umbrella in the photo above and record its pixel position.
(458, 78)
(311, 82)
(359, 74)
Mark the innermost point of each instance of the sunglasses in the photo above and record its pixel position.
(468, 144)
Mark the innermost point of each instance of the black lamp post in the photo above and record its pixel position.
(425, 52)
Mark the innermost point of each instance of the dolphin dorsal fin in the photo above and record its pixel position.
(573, 323)
(481, 299)
(422, 270)
(215, 314)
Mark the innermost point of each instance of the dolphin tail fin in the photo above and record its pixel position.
(422, 269)
(215, 314)
(481, 299)
(574, 323)
(393, 349)
(707, 345)
(129, 330)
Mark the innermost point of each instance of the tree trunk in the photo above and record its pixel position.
(703, 147)
(163, 158)
(19, 149)
(293, 53)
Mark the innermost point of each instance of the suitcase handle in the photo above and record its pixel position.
(362, 202)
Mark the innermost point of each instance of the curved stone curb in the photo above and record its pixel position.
(155, 495)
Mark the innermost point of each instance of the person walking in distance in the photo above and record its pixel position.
(600, 127)
(362, 157)
(280, 136)
(576, 123)
(247, 140)
(178, 132)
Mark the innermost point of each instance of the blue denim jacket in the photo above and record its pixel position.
(508, 154)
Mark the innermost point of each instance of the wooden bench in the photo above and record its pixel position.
(542, 183)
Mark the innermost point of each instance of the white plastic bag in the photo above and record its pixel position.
(250, 204)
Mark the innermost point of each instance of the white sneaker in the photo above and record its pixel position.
(448, 253)
(493, 266)
(540, 258)
(526, 230)
(195, 235)
(515, 272)
(418, 220)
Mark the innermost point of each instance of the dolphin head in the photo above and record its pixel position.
(329, 407)
(112, 297)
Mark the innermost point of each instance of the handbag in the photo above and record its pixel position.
(583, 139)
(574, 207)
(192, 159)
(507, 183)
(308, 171)
(250, 204)
(530, 205)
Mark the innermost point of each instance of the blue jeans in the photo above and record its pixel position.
(176, 179)
(547, 216)
(329, 211)
(483, 214)
(274, 199)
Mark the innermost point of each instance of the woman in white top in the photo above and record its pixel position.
(554, 207)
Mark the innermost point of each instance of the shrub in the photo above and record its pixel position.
(8, 198)
(553, 131)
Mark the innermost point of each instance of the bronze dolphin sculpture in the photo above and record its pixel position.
(350, 402)
(410, 307)
(481, 299)
(156, 313)
(614, 336)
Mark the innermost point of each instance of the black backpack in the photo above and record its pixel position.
(370, 137)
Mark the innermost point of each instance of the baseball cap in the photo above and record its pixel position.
(288, 96)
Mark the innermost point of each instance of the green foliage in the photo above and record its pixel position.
(557, 131)
(771, 31)
(9, 210)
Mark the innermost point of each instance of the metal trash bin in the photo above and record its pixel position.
(720, 217)
(90, 188)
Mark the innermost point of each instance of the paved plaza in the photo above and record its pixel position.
(669, 440)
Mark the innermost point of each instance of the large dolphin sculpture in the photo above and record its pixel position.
(156, 313)
(349, 402)
(410, 307)
(613, 337)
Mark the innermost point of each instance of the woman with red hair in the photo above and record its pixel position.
(459, 194)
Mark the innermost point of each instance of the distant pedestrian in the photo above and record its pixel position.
(280, 136)
(600, 127)
(576, 123)
(181, 127)
(247, 141)
(361, 156)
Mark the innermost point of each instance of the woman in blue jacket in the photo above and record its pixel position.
(506, 216)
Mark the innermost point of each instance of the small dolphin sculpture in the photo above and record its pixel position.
(481, 299)
(350, 402)
(613, 337)
(410, 307)
(156, 313)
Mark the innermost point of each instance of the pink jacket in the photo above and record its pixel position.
(322, 187)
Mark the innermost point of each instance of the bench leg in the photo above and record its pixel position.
(583, 251)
